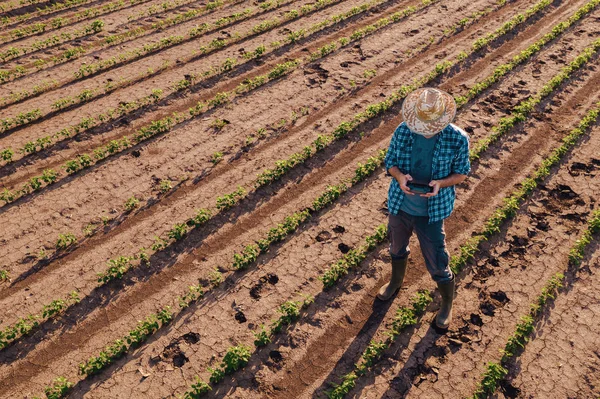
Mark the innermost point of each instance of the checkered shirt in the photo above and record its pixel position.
(450, 155)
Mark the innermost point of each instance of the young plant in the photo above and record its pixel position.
(131, 204)
(216, 157)
(59, 388)
(215, 277)
(197, 390)
(262, 337)
(229, 200)
(165, 186)
(65, 241)
(116, 269)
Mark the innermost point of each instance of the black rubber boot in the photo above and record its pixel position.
(444, 315)
(398, 271)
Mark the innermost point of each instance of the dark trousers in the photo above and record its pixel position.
(431, 239)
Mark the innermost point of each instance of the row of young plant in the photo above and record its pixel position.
(150, 48)
(26, 324)
(20, 95)
(135, 33)
(54, 40)
(6, 20)
(60, 22)
(495, 371)
(290, 310)
(164, 125)
(13, 5)
(50, 176)
(187, 16)
(88, 95)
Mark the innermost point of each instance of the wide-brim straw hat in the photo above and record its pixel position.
(427, 111)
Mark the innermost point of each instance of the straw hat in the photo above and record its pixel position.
(428, 111)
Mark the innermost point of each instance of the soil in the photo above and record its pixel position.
(306, 358)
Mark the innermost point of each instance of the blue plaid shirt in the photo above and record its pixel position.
(450, 155)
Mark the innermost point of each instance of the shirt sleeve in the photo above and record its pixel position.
(461, 163)
(391, 157)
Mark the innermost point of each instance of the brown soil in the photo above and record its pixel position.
(302, 361)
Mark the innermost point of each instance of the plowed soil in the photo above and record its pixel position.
(203, 162)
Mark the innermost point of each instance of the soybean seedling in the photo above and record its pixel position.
(215, 277)
(216, 157)
(164, 186)
(131, 204)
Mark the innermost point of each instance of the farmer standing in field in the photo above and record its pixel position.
(427, 157)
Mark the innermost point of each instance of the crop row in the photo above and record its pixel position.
(291, 223)
(13, 5)
(468, 250)
(85, 124)
(166, 124)
(88, 95)
(162, 44)
(130, 34)
(495, 371)
(59, 22)
(14, 52)
(26, 324)
(54, 7)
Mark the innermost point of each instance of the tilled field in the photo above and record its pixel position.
(193, 202)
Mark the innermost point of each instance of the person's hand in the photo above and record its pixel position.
(436, 188)
(402, 181)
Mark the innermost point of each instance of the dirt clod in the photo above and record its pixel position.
(240, 317)
(323, 236)
(343, 248)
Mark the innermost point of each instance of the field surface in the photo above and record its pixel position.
(193, 202)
